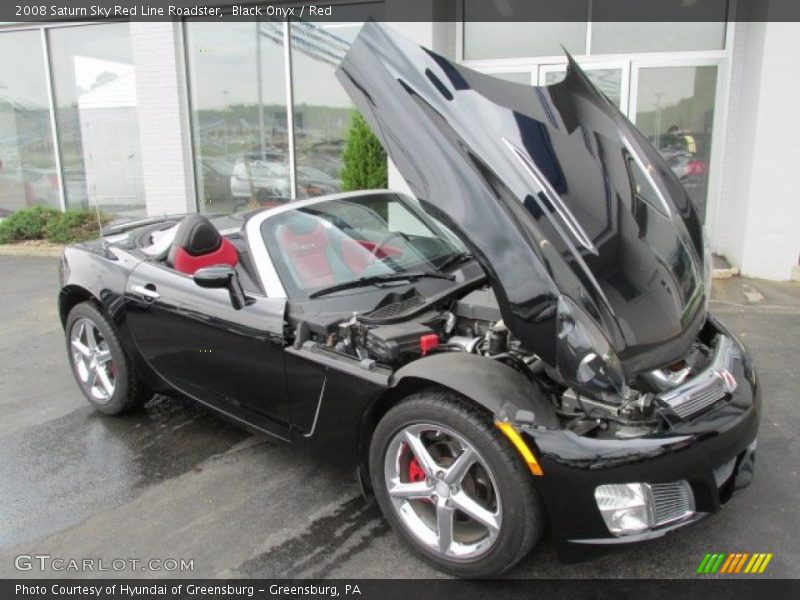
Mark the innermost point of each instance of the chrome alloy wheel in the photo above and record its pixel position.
(443, 491)
(91, 360)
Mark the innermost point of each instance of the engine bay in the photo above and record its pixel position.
(472, 324)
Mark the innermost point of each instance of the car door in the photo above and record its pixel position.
(194, 339)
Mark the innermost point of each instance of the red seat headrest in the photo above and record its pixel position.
(198, 244)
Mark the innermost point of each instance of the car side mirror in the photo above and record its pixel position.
(222, 276)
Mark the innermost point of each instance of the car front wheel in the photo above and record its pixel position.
(452, 486)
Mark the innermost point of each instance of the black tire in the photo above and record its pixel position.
(523, 519)
(129, 391)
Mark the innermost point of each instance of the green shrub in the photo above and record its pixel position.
(365, 166)
(28, 224)
(39, 223)
(74, 226)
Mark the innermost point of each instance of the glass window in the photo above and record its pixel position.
(95, 91)
(27, 162)
(321, 107)
(675, 110)
(608, 81)
(703, 28)
(515, 77)
(238, 97)
(517, 40)
(610, 38)
(539, 28)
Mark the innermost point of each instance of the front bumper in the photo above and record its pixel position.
(692, 450)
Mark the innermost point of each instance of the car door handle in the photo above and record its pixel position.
(147, 291)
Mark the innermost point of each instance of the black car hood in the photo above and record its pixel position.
(552, 188)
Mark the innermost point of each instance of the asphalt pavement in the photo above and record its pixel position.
(174, 481)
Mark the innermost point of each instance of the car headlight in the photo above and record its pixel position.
(585, 358)
(624, 507)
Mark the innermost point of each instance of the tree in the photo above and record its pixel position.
(365, 165)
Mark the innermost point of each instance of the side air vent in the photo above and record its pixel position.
(671, 501)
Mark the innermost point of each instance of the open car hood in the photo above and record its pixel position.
(555, 192)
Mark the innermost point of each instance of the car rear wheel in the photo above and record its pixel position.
(103, 372)
(452, 486)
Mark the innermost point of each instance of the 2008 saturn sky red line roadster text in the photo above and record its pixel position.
(524, 344)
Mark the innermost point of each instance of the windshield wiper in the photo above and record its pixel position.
(378, 279)
(454, 258)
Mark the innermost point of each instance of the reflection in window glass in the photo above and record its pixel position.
(239, 124)
(95, 92)
(608, 81)
(27, 164)
(524, 28)
(675, 110)
(321, 107)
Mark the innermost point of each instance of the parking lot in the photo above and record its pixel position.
(175, 481)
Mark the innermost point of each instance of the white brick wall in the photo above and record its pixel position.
(726, 225)
(759, 212)
(163, 120)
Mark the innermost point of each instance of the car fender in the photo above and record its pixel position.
(490, 383)
(88, 272)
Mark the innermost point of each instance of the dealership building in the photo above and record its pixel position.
(147, 118)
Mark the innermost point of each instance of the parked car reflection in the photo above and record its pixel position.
(216, 173)
(256, 172)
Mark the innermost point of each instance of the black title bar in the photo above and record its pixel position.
(419, 589)
(27, 11)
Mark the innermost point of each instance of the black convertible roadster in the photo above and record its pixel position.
(524, 343)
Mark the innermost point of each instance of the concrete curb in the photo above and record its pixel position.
(724, 273)
(31, 249)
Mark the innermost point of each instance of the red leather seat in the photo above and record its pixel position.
(305, 245)
(198, 244)
(359, 254)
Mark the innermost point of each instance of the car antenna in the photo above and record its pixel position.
(103, 242)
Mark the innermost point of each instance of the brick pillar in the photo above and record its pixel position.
(162, 109)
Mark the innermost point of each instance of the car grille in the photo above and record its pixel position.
(700, 399)
(671, 501)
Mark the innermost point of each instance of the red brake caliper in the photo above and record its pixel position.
(415, 472)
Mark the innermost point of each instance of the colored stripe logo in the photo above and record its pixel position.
(737, 562)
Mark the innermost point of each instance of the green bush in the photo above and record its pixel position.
(74, 226)
(365, 166)
(28, 224)
(40, 223)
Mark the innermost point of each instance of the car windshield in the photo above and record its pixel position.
(349, 239)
